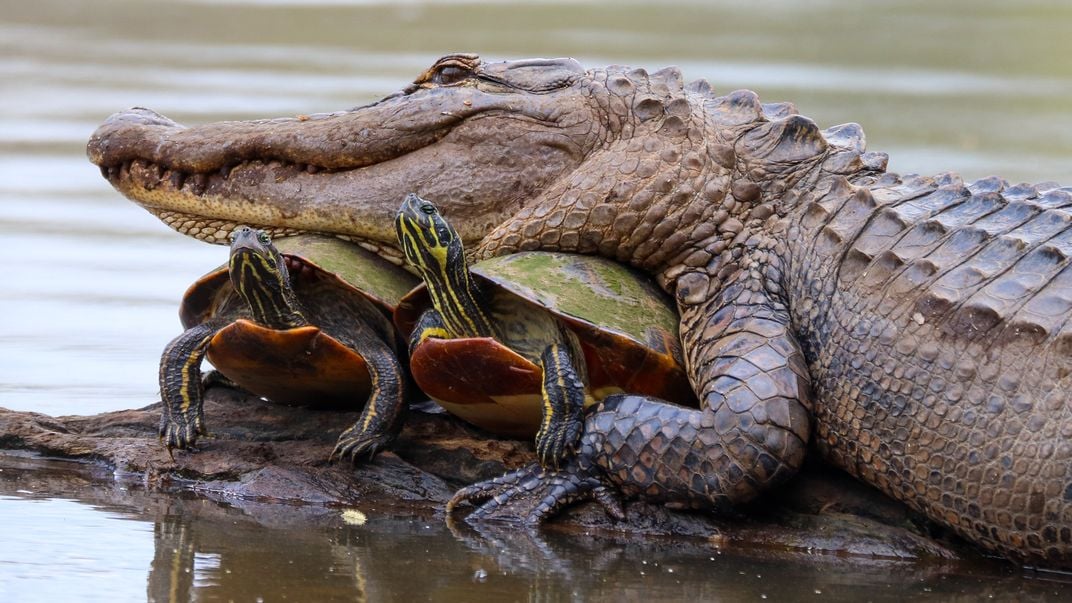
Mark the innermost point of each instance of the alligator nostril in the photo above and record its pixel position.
(140, 116)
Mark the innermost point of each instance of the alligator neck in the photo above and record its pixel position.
(673, 196)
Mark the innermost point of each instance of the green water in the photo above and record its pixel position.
(92, 282)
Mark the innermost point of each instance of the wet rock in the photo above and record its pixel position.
(268, 453)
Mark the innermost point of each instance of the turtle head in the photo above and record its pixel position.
(428, 241)
(432, 245)
(259, 273)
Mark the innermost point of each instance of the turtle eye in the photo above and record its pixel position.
(428, 208)
(263, 237)
(449, 74)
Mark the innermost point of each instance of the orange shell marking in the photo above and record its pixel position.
(302, 366)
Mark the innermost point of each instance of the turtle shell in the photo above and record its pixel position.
(627, 327)
(305, 365)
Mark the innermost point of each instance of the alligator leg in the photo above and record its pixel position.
(384, 412)
(750, 433)
(181, 387)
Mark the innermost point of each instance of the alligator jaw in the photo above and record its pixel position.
(341, 173)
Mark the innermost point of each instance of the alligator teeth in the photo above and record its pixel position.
(138, 173)
(198, 183)
(144, 174)
(177, 179)
(312, 169)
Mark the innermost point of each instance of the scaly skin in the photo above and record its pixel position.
(919, 328)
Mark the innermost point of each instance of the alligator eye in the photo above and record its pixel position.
(428, 209)
(449, 74)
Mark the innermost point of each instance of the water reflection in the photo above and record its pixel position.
(210, 555)
(64, 525)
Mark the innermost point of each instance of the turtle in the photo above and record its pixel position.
(520, 344)
(304, 320)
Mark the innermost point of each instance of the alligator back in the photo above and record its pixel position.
(937, 322)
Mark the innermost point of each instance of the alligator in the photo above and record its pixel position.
(916, 330)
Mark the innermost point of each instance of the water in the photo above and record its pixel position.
(92, 282)
(121, 543)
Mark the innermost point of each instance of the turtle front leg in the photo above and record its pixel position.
(384, 412)
(750, 434)
(181, 387)
(563, 394)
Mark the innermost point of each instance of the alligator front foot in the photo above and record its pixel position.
(532, 494)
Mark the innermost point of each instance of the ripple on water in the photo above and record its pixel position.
(60, 550)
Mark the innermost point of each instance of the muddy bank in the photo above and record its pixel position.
(263, 455)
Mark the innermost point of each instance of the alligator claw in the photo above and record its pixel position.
(532, 494)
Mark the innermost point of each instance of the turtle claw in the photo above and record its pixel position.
(553, 446)
(182, 432)
(357, 445)
(532, 494)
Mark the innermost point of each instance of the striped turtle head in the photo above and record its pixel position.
(429, 242)
(259, 273)
(435, 248)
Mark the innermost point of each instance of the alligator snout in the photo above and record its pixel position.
(110, 143)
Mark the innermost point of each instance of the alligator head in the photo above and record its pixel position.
(480, 137)
(521, 150)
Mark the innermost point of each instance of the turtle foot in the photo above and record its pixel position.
(181, 432)
(355, 444)
(532, 494)
(218, 379)
(555, 443)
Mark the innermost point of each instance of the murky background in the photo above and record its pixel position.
(91, 282)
